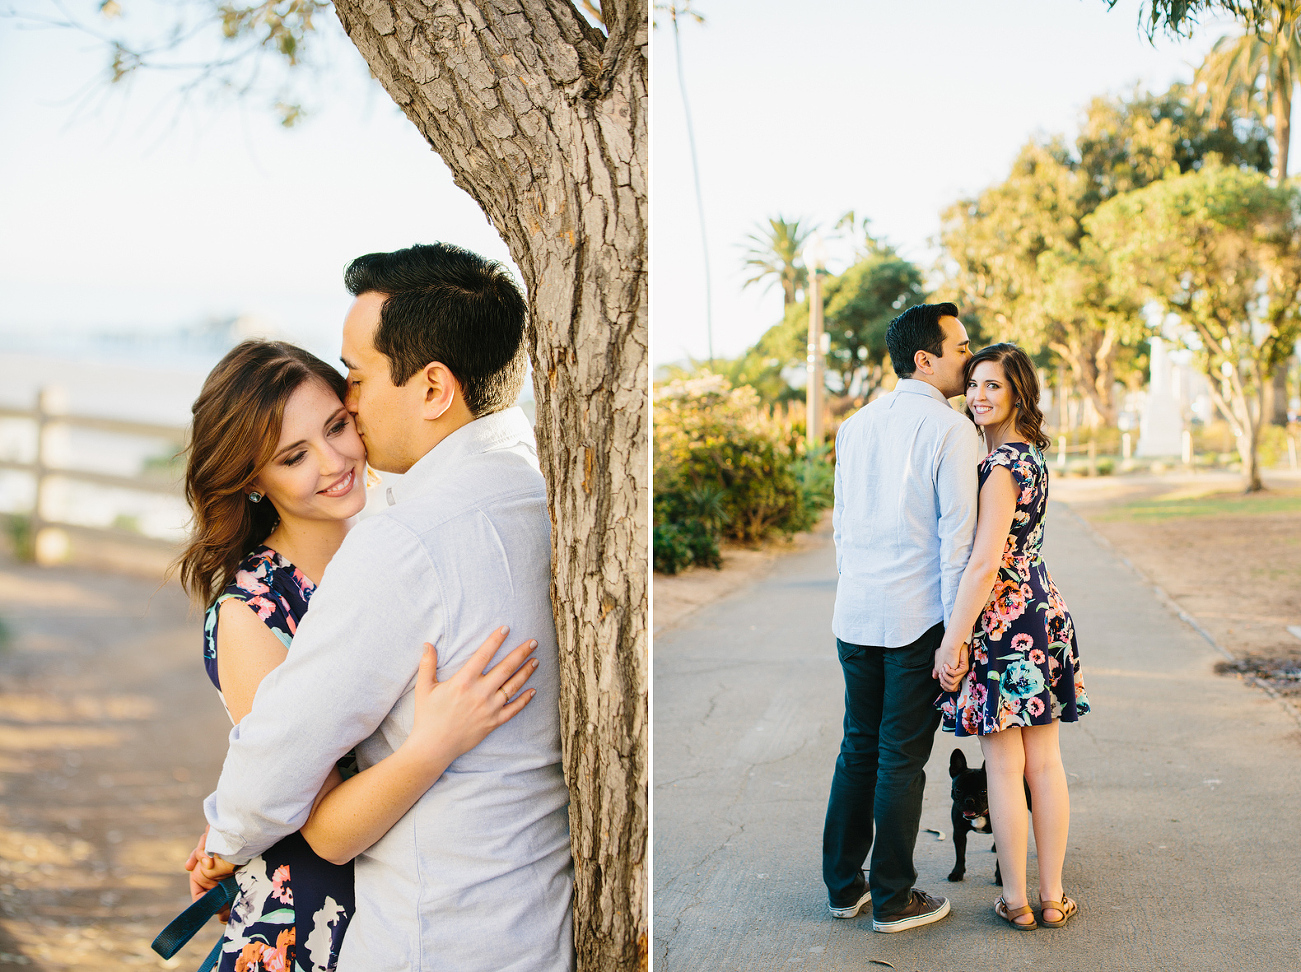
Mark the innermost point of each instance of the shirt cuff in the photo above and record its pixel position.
(229, 847)
(217, 844)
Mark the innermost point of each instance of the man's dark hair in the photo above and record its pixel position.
(446, 304)
(917, 329)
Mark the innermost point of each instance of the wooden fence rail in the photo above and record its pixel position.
(49, 534)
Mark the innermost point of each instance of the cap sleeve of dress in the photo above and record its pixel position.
(1019, 461)
(258, 584)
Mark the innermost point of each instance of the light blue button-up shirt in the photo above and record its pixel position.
(904, 516)
(478, 874)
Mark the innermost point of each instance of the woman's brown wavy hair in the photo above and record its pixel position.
(1020, 373)
(236, 428)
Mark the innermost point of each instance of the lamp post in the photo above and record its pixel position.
(815, 255)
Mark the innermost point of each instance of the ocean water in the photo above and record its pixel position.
(91, 380)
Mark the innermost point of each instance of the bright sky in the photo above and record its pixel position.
(132, 215)
(894, 110)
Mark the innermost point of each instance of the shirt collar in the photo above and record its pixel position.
(500, 430)
(914, 386)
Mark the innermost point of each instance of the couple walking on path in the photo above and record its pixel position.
(945, 614)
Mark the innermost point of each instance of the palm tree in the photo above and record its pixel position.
(772, 254)
(1258, 71)
(1261, 65)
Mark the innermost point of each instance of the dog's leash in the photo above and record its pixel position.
(187, 924)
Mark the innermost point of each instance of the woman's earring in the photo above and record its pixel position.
(255, 497)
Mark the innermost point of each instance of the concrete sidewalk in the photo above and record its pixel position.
(1185, 847)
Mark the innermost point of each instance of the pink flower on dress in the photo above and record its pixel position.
(248, 581)
(1035, 706)
(263, 606)
(1006, 603)
(1037, 656)
(1022, 642)
(280, 885)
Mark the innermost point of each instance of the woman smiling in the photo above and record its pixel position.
(276, 478)
(1024, 676)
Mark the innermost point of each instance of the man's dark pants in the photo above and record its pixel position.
(890, 723)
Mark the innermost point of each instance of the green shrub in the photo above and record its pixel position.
(19, 528)
(687, 528)
(817, 477)
(684, 544)
(721, 460)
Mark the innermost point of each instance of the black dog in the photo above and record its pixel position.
(970, 811)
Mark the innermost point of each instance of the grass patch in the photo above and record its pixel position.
(1184, 507)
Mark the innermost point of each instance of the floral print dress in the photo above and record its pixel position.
(1025, 668)
(293, 906)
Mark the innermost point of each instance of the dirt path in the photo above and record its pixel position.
(110, 736)
(1233, 562)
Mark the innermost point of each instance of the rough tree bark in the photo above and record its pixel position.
(542, 119)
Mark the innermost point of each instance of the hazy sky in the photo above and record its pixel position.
(125, 211)
(894, 110)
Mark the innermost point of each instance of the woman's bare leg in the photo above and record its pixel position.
(1052, 809)
(1005, 769)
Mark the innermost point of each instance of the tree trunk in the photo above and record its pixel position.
(1282, 121)
(1232, 401)
(542, 119)
(1092, 368)
(1278, 390)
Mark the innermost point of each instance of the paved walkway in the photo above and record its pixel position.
(1185, 848)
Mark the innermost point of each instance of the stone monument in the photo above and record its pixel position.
(1161, 424)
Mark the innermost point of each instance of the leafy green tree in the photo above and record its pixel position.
(1221, 248)
(772, 254)
(996, 243)
(858, 306)
(1126, 143)
(1018, 252)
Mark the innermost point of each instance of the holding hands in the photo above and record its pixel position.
(952, 661)
(206, 872)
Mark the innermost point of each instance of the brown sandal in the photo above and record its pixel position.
(1010, 915)
(1066, 907)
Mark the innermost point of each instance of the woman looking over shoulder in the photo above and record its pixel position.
(275, 479)
(1025, 674)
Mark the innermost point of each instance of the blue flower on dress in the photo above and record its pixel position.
(1022, 679)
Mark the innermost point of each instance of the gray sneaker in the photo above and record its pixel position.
(922, 910)
(851, 911)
